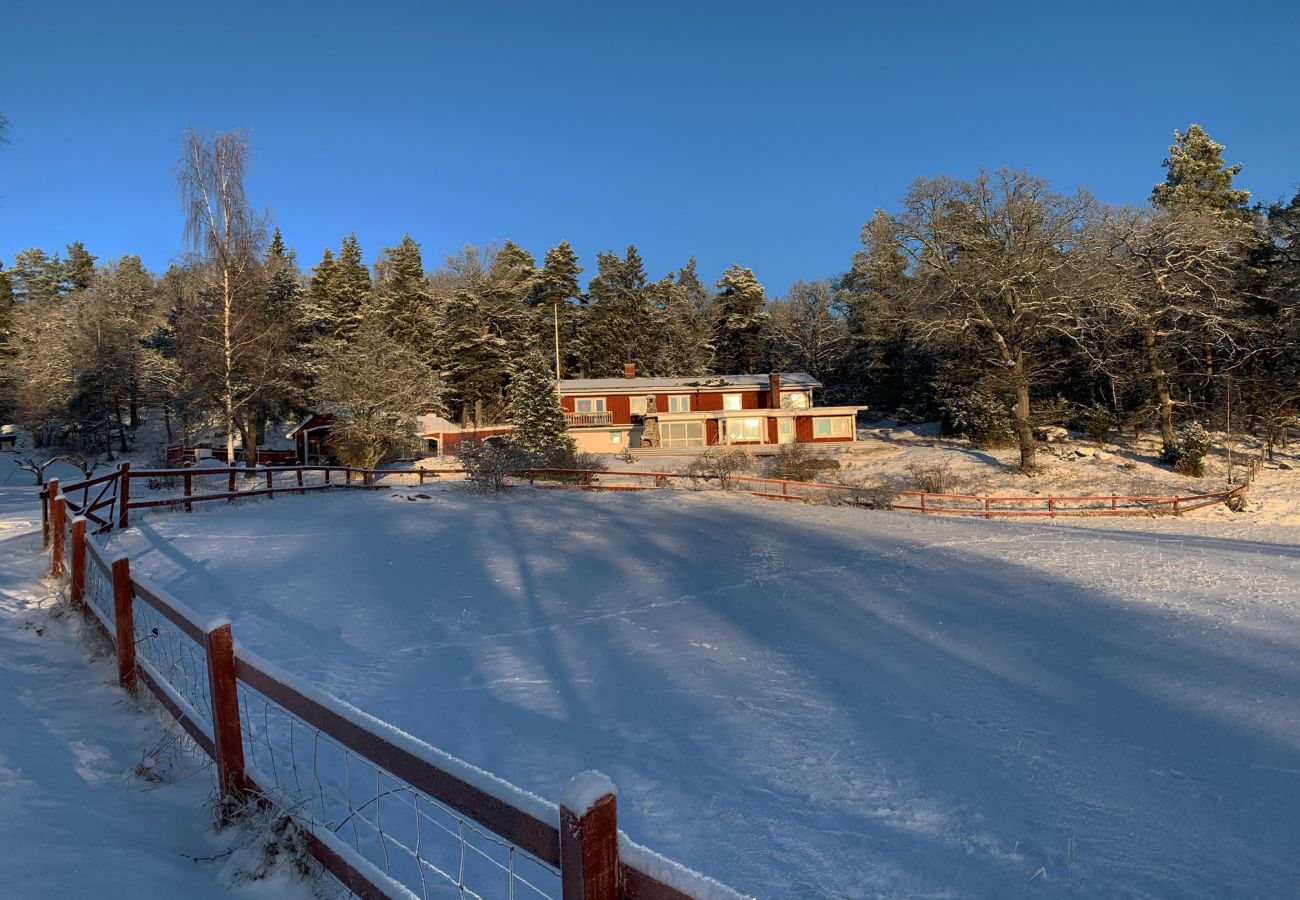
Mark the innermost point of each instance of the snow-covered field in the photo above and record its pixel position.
(809, 701)
(95, 797)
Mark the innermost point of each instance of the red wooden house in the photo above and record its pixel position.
(608, 415)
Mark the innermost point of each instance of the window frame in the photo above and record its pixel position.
(666, 429)
(837, 426)
(739, 400)
(758, 431)
(685, 402)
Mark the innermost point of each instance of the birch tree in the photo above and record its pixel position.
(230, 340)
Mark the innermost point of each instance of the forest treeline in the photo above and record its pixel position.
(995, 303)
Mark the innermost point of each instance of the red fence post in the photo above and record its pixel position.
(189, 491)
(124, 496)
(300, 479)
(988, 507)
(229, 743)
(1051, 507)
(1177, 512)
(589, 839)
(923, 503)
(327, 476)
(78, 562)
(58, 521)
(1114, 502)
(125, 622)
(45, 517)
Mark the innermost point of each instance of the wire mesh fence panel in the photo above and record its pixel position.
(431, 849)
(175, 656)
(99, 588)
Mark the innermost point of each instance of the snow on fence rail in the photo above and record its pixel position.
(984, 506)
(388, 815)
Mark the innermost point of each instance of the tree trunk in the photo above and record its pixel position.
(1024, 431)
(248, 429)
(1160, 378)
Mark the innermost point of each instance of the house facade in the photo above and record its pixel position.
(609, 415)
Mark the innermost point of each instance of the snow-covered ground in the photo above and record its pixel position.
(96, 797)
(809, 701)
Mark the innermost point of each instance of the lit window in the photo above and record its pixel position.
(745, 429)
(616, 437)
(731, 401)
(795, 399)
(589, 405)
(679, 403)
(837, 427)
(681, 434)
(638, 405)
(784, 430)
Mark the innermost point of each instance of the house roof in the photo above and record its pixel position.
(793, 380)
(435, 424)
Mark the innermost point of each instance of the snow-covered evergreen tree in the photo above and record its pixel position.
(534, 410)
(742, 323)
(1197, 179)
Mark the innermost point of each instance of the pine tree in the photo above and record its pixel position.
(1198, 180)
(685, 313)
(880, 360)
(534, 409)
(35, 276)
(742, 323)
(78, 268)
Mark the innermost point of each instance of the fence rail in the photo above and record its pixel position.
(387, 815)
(985, 506)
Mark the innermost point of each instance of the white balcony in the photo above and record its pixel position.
(576, 419)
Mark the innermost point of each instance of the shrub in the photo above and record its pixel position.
(869, 495)
(490, 464)
(982, 417)
(1193, 447)
(1098, 421)
(934, 478)
(721, 464)
(799, 462)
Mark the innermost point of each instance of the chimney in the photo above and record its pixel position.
(774, 390)
(629, 370)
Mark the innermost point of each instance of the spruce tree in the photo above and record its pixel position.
(284, 292)
(534, 409)
(35, 276)
(742, 323)
(1197, 179)
(78, 268)
(351, 287)
(554, 294)
(401, 293)
(620, 324)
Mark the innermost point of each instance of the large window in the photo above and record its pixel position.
(731, 401)
(638, 405)
(839, 427)
(589, 404)
(794, 399)
(745, 429)
(784, 431)
(679, 403)
(681, 434)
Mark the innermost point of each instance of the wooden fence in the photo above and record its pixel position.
(582, 848)
(983, 506)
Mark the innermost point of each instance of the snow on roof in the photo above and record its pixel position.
(434, 424)
(701, 382)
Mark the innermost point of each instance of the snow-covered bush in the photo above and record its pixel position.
(490, 464)
(933, 478)
(1188, 454)
(799, 462)
(982, 417)
(721, 464)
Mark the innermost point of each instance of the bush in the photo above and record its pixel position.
(1098, 421)
(982, 417)
(799, 462)
(935, 478)
(490, 464)
(1193, 447)
(587, 461)
(721, 464)
(869, 495)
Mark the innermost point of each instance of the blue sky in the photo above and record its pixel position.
(757, 133)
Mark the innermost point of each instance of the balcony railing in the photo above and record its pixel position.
(589, 418)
